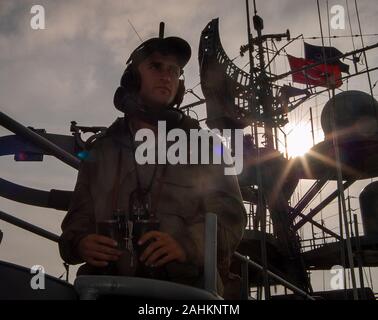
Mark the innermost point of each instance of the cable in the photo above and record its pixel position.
(364, 52)
(323, 50)
(329, 27)
(350, 25)
(195, 86)
(335, 37)
(141, 40)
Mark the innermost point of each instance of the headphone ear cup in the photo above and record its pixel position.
(119, 97)
(130, 84)
(131, 80)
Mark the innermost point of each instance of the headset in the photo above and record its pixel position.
(126, 95)
(125, 100)
(130, 85)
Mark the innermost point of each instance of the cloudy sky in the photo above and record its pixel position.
(69, 71)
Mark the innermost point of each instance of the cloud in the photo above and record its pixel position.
(69, 71)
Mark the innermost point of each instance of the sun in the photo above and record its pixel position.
(299, 140)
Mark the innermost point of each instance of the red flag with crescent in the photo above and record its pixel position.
(323, 75)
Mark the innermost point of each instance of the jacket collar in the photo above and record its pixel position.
(119, 134)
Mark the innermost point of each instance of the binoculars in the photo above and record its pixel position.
(127, 233)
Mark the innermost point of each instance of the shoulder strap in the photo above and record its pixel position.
(117, 181)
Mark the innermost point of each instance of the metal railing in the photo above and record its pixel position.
(282, 281)
(95, 288)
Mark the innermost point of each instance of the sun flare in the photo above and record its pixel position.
(299, 140)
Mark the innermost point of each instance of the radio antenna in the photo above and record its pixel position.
(161, 30)
(141, 40)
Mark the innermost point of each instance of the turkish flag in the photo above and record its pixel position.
(317, 75)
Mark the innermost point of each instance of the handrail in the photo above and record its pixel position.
(210, 270)
(274, 276)
(54, 199)
(38, 140)
(28, 226)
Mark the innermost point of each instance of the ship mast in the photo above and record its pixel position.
(263, 103)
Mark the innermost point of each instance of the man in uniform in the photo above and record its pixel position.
(173, 199)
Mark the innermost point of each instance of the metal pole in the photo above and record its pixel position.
(28, 226)
(286, 147)
(251, 69)
(276, 137)
(312, 127)
(359, 257)
(340, 188)
(250, 45)
(245, 281)
(274, 276)
(39, 141)
(321, 206)
(321, 226)
(264, 256)
(269, 144)
(313, 236)
(350, 216)
(342, 249)
(261, 213)
(310, 194)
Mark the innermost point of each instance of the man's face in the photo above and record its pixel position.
(159, 79)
